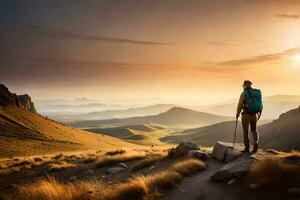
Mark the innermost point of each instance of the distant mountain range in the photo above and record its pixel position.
(176, 117)
(110, 114)
(273, 106)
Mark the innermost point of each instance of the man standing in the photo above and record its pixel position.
(250, 104)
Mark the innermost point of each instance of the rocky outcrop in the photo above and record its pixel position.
(182, 149)
(11, 99)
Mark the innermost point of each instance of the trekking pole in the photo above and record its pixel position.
(235, 129)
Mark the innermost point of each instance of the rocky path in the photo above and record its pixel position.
(201, 187)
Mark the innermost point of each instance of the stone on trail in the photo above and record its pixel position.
(121, 164)
(198, 154)
(224, 152)
(235, 169)
(182, 149)
(114, 170)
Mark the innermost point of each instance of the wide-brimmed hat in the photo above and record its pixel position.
(247, 83)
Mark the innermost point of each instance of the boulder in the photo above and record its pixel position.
(72, 178)
(198, 154)
(114, 170)
(121, 164)
(224, 152)
(184, 147)
(235, 169)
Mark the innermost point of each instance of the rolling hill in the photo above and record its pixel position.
(138, 134)
(283, 133)
(25, 132)
(208, 135)
(176, 117)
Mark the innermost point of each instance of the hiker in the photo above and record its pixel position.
(250, 104)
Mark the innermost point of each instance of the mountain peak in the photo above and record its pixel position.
(180, 109)
(11, 99)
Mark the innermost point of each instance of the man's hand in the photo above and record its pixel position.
(237, 115)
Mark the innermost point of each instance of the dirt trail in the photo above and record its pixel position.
(200, 187)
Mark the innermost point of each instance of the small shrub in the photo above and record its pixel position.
(38, 159)
(188, 167)
(116, 152)
(133, 189)
(146, 162)
(3, 166)
(58, 156)
(60, 165)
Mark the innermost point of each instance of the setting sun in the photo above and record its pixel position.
(296, 58)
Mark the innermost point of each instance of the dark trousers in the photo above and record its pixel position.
(251, 120)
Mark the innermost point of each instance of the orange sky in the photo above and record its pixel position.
(174, 50)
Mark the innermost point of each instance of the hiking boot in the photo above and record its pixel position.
(255, 147)
(246, 150)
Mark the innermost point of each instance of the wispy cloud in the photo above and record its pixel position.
(81, 62)
(288, 16)
(268, 58)
(61, 33)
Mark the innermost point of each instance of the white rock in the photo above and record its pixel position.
(231, 181)
(122, 165)
(114, 170)
(72, 178)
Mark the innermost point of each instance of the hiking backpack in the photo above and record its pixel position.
(253, 101)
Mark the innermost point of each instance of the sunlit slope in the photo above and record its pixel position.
(23, 132)
(138, 134)
(283, 133)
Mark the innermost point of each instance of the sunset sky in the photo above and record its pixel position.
(191, 51)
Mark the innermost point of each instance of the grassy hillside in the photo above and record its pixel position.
(208, 135)
(283, 133)
(173, 118)
(26, 133)
(139, 134)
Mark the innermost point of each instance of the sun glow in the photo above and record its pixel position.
(296, 58)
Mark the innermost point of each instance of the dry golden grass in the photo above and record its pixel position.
(274, 172)
(147, 162)
(142, 187)
(60, 165)
(151, 186)
(188, 167)
(50, 189)
(111, 160)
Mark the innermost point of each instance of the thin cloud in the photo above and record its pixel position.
(268, 58)
(288, 16)
(219, 43)
(61, 33)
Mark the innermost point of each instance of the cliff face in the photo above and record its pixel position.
(10, 99)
